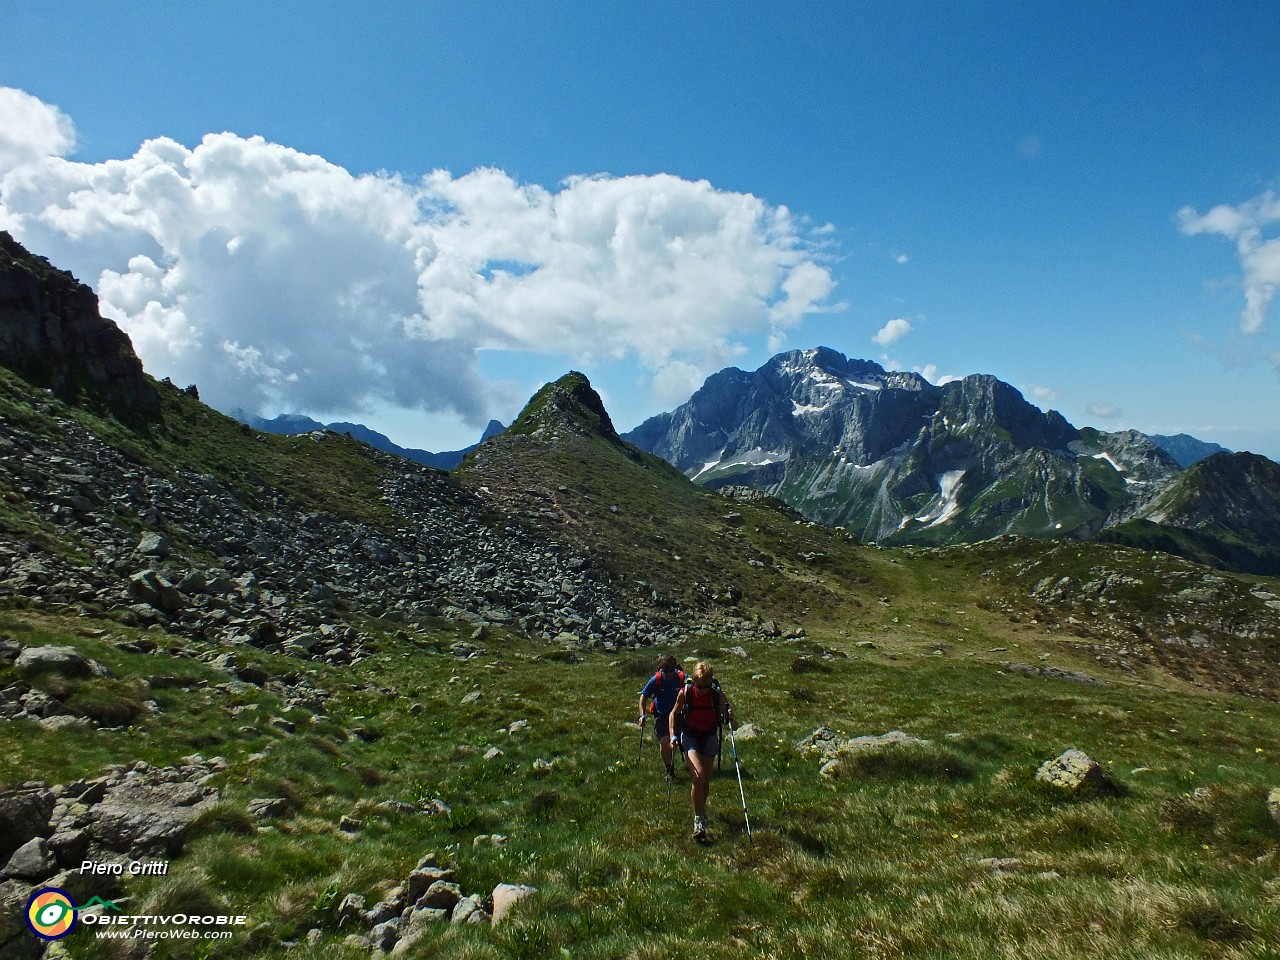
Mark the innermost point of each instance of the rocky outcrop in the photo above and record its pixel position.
(53, 335)
(134, 815)
(429, 895)
(834, 751)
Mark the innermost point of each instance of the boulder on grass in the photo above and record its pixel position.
(1076, 773)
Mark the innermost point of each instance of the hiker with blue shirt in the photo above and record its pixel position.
(659, 698)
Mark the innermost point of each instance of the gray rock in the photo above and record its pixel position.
(144, 831)
(1273, 804)
(470, 910)
(835, 752)
(1075, 772)
(441, 895)
(423, 916)
(64, 660)
(409, 940)
(149, 819)
(381, 912)
(823, 740)
(421, 880)
(350, 910)
(63, 721)
(506, 896)
(385, 935)
(69, 847)
(264, 807)
(31, 861)
(894, 738)
(24, 814)
(154, 545)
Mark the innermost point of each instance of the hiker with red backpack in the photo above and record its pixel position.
(700, 708)
(658, 698)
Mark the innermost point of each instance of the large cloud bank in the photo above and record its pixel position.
(278, 280)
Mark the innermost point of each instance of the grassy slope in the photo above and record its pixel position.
(883, 864)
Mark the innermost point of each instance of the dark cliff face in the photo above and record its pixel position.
(52, 335)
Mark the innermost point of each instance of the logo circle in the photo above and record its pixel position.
(51, 913)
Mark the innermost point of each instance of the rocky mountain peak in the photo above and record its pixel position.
(52, 335)
(826, 369)
(568, 404)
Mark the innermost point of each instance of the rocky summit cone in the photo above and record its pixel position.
(568, 404)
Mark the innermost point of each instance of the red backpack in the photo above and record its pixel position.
(701, 713)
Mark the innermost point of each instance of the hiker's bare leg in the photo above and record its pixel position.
(700, 770)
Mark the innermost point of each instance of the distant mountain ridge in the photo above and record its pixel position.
(1224, 510)
(289, 424)
(896, 459)
(1186, 449)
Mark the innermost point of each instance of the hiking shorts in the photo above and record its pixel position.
(707, 743)
(661, 724)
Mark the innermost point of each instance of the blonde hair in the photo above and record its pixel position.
(701, 672)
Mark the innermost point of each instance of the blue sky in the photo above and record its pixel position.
(420, 212)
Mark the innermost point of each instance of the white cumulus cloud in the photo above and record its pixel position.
(1104, 411)
(1259, 255)
(32, 130)
(277, 280)
(892, 332)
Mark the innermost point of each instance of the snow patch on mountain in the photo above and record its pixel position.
(808, 409)
(756, 457)
(947, 505)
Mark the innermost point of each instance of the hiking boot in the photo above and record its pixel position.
(699, 828)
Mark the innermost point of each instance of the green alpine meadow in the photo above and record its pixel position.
(292, 697)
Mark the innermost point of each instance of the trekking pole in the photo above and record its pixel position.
(671, 778)
(733, 741)
(640, 754)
